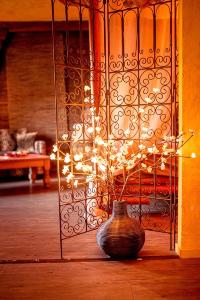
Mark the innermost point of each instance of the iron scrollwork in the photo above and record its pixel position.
(121, 80)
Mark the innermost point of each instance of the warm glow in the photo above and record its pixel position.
(55, 148)
(78, 157)
(67, 158)
(75, 183)
(148, 100)
(156, 90)
(123, 157)
(52, 156)
(65, 137)
(90, 130)
(87, 88)
(100, 161)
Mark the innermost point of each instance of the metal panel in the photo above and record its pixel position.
(127, 55)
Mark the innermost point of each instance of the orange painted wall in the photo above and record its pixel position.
(31, 10)
(189, 89)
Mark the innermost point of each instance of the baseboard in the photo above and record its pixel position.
(188, 253)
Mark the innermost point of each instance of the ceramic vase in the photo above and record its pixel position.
(121, 236)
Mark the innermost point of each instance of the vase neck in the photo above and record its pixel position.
(119, 208)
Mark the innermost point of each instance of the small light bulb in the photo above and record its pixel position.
(87, 100)
(145, 129)
(127, 131)
(52, 156)
(94, 159)
(87, 149)
(193, 155)
(98, 129)
(67, 158)
(147, 100)
(65, 136)
(141, 110)
(90, 130)
(78, 157)
(87, 88)
(55, 148)
(156, 90)
(76, 183)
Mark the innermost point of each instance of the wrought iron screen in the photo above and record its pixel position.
(116, 60)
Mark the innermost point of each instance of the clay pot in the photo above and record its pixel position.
(121, 236)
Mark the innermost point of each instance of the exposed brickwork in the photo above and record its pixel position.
(3, 98)
(30, 84)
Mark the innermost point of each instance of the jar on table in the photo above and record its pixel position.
(40, 147)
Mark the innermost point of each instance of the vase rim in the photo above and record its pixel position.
(119, 201)
(119, 204)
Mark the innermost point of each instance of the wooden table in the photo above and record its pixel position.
(31, 161)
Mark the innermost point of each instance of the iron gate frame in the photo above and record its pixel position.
(73, 201)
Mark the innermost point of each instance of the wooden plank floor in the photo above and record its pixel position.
(171, 279)
(29, 222)
(29, 230)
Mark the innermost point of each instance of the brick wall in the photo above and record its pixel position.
(29, 69)
(27, 87)
(3, 97)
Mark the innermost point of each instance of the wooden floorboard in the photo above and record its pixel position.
(85, 246)
(28, 221)
(29, 231)
(29, 226)
(121, 280)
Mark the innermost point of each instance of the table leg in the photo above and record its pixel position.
(46, 177)
(32, 175)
